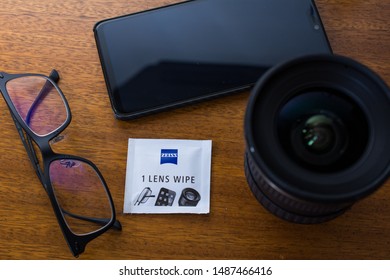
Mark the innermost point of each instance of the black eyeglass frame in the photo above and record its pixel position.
(76, 242)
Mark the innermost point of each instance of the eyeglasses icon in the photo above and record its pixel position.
(144, 196)
(77, 190)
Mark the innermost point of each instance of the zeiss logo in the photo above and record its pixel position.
(169, 156)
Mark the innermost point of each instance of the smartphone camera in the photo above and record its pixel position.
(317, 137)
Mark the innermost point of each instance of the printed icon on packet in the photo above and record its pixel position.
(165, 197)
(144, 196)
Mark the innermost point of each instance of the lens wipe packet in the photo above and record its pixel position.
(168, 176)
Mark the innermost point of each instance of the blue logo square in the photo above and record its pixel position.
(169, 156)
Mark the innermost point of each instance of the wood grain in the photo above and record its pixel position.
(37, 36)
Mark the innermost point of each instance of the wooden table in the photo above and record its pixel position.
(36, 36)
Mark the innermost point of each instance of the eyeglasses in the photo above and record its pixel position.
(144, 196)
(78, 193)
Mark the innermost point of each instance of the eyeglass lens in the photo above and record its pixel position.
(38, 102)
(81, 195)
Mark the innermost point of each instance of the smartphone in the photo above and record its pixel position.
(191, 51)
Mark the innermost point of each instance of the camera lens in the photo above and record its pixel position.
(317, 135)
(189, 197)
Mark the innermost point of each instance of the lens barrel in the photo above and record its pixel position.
(317, 132)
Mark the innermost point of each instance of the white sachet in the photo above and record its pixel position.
(168, 176)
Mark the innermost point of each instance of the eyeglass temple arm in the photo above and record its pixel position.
(29, 149)
(55, 77)
(33, 158)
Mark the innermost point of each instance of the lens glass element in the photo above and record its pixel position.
(190, 195)
(322, 130)
(318, 134)
(38, 102)
(81, 195)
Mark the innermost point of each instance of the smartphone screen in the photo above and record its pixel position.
(191, 51)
